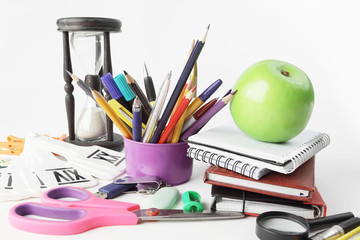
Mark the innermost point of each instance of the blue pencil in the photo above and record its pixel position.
(179, 86)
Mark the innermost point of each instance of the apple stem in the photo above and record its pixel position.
(285, 73)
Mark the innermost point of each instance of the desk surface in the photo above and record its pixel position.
(227, 229)
(320, 37)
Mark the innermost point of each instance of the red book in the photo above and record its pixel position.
(229, 199)
(298, 185)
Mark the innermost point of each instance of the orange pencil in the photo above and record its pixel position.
(188, 87)
(182, 107)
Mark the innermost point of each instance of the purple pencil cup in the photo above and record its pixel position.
(167, 161)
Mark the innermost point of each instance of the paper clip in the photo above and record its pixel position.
(145, 184)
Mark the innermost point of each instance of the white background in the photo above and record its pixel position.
(320, 37)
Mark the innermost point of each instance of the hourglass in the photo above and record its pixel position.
(87, 41)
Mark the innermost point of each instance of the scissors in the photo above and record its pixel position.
(56, 215)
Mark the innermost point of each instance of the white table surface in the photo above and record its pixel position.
(320, 37)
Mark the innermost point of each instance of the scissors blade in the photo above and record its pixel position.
(180, 215)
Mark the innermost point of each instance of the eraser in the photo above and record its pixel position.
(164, 198)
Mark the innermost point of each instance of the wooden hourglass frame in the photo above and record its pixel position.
(88, 24)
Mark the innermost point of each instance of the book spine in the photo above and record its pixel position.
(237, 166)
(308, 149)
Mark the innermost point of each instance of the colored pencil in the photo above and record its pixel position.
(171, 137)
(203, 97)
(198, 114)
(207, 116)
(138, 92)
(149, 86)
(111, 114)
(175, 133)
(136, 122)
(194, 76)
(179, 86)
(182, 94)
(158, 106)
(183, 105)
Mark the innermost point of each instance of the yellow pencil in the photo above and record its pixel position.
(111, 114)
(350, 234)
(193, 77)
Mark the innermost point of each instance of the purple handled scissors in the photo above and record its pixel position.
(88, 212)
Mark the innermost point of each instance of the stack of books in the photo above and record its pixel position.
(254, 177)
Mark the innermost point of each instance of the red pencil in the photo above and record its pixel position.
(188, 123)
(179, 111)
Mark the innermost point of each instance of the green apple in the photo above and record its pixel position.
(274, 101)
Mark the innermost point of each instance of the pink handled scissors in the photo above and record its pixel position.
(88, 212)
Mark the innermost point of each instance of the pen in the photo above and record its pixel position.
(198, 114)
(113, 89)
(149, 86)
(338, 230)
(81, 84)
(350, 234)
(125, 89)
(158, 106)
(179, 86)
(207, 116)
(138, 92)
(136, 122)
(182, 107)
(202, 98)
(111, 114)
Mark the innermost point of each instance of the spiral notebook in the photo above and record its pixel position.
(285, 157)
(207, 155)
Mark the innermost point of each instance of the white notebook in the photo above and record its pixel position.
(283, 157)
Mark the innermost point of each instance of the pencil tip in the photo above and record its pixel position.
(146, 72)
(125, 72)
(74, 78)
(233, 93)
(205, 34)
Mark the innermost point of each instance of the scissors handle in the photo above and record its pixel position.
(64, 221)
(82, 199)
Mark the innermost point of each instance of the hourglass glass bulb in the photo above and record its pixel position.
(91, 125)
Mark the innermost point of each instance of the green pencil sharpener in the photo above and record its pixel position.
(192, 202)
